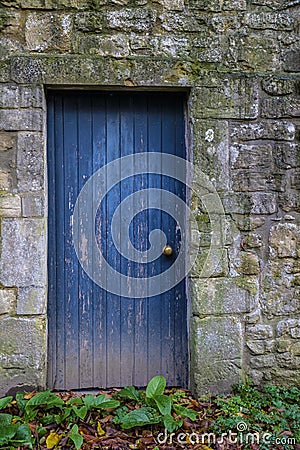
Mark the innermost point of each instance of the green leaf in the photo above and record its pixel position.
(171, 424)
(185, 412)
(140, 417)
(131, 393)
(164, 404)
(108, 404)
(5, 401)
(45, 398)
(24, 435)
(5, 419)
(7, 432)
(101, 401)
(89, 400)
(76, 437)
(21, 401)
(81, 412)
(156, 386)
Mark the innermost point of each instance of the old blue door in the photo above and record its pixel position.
(98, 338)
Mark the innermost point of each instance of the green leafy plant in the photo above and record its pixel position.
(156, 407)
(275, 410)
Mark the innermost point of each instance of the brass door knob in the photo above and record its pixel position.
(167, 250)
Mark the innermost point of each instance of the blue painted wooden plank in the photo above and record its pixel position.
(60, 236)
(155, 318)
(100, 349)
(141, 243)
(113, 200)
(168, 146)
(127, 311)
(52, 254)
(71, 189)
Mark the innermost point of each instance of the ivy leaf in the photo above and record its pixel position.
(140, 417)
(156, 386)
(5, 401)
(76, 437)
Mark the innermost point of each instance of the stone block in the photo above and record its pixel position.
(209, 48)
(4, 71)
(292, 61)
(48, 32)
(250, 181)
(232, 98)
(21, 119)
(270, 20)
(295, 180)
(23, 257)
(261, 347)
(33, 4)
(247, 264)
(31, 301)
(7, 141)
(211, 150)
(10, 205)
(33, 205)
(278, 299)
(234, 5)
(277, 107)
(254, 240)
(259, 331)
(255, 156)
(218, 342)
(180, 22)
(206, 5)
(288, 327)
(237, 203)
(275, 85)
(30, 162)
(259, 50)
(23, 350)
(219, 296)
(213, 263)
(14, 96)
(7, 161)
(116, 45)
(131, 19)
(264, 203)
(284, 241)
(7, 300)
(249, 223)
(27, 70)
(282, 130)
(91, 22)
(286, 155)
(174, 5)
(262, 361)
(289, 201)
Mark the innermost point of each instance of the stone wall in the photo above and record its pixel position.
(239, 60)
